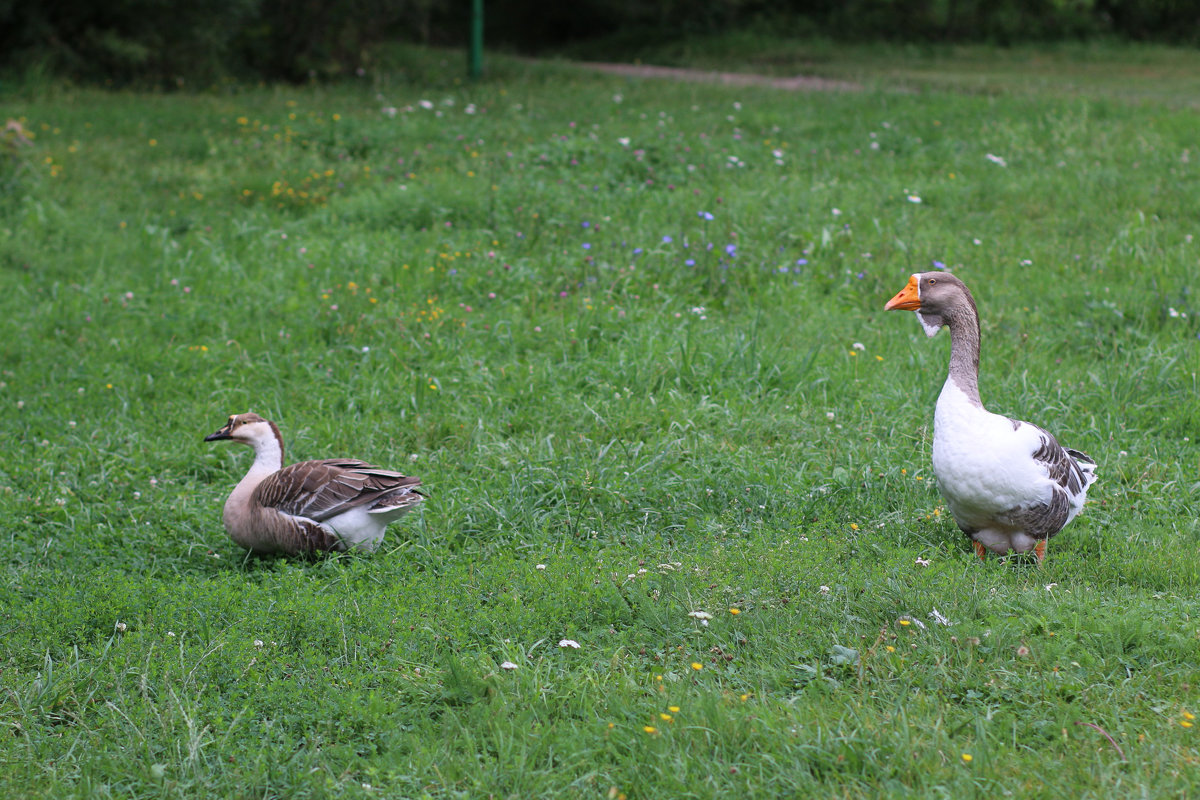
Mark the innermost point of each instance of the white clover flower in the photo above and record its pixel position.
(825, 589)
(701, 615)
(914, 198)
(571, 643)
(258, 643)
(507, 665)
(122, 627)
(623, 141)
(425, 104)
(540, 566)
(923, 562)
(859, 346)
(996, 160)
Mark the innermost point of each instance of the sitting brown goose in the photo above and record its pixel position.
(1008, 484)
(335, 504)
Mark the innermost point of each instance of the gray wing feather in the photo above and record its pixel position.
(1071, 472)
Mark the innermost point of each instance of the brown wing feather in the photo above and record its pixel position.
(319, 490)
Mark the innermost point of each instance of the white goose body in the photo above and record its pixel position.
(332, 504)
(1009, 485)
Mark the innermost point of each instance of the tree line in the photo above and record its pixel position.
(200, 40)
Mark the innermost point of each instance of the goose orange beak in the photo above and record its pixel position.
(907, 299)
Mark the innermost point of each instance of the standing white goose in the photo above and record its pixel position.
(1009, 484)
(335, 504)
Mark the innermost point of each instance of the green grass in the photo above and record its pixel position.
(664, 438)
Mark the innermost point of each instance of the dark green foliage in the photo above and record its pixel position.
(125, 39)
(298, 39)
(175, 43)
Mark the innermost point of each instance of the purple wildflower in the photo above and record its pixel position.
(667, 240)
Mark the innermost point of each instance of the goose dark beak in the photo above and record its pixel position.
(221, 434)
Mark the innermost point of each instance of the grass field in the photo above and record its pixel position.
(630, 335)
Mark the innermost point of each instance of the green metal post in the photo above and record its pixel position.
(475, 50)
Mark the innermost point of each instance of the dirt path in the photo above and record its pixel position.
(799, 83)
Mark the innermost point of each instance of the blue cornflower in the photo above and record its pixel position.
(667, 240)
(704, 215)
(731, 250)
(691, 262)
(587, 246)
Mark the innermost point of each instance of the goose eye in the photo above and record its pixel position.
(932, 281)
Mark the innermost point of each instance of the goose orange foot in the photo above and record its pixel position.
(980, 551)
(1039, 550)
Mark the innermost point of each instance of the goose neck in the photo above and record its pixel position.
(964, 353)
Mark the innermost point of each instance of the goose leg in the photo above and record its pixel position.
(1039, 550)
(980, 551)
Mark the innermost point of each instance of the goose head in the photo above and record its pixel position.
(249, 429)
(939, 299)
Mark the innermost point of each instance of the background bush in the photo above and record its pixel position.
(173, 43)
